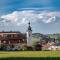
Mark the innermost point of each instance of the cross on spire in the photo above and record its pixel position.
(29, 23)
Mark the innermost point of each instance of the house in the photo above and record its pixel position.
(57, 45)
(12, 40)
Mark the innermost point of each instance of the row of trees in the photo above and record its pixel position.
(36, 47)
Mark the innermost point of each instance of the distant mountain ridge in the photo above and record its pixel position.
(37, 35)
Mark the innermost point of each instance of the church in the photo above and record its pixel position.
(13, 40)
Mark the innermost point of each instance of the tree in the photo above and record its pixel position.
(38, 47)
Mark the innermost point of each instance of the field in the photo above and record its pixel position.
(14, 55)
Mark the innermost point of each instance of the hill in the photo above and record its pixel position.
(39, 36)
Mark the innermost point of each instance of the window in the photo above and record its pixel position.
(9, 35)
(5, 35)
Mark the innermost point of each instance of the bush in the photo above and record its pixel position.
(29, 48)
(38, 47)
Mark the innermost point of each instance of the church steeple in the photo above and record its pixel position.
(29, 27)
(29, 35)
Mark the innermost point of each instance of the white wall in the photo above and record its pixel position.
(29, 38)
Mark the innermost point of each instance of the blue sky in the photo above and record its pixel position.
(44, 15)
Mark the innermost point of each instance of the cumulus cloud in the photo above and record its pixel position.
(23, 17)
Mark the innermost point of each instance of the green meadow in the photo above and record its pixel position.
(36, 55)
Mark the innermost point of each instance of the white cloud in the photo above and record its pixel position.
(22, 17)
(48, 16)
(11, 17)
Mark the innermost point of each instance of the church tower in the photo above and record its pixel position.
(29, 35)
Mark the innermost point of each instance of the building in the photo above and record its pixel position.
(12, 40)
(29, 35)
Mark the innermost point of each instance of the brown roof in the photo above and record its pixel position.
(10, 32)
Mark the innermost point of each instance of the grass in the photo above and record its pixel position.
(4, 54)
(28, 55)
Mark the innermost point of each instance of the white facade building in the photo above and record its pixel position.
(29, 35)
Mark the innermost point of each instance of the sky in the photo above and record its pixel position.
(44, 15)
